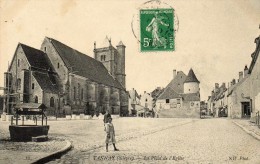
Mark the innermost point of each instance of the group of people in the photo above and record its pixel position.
(110, 131)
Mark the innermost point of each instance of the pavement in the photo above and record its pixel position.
(140, 140)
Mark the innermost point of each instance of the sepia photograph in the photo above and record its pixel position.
(130, 81)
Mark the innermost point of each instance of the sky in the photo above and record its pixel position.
(215, 37)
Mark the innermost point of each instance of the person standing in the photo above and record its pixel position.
(106, 116)
(110, 134)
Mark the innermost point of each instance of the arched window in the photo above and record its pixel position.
(18, 84)
(78, 90)
(36, 99)
(51, 102)
(82, 93)
(74, 93)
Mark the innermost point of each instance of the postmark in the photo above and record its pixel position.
(156, 29)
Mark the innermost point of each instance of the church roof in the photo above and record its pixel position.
(47, 81)
(191, 77)
(36, 58)
(85, 66)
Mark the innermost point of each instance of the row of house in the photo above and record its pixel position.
(239, 98)
(66, 80)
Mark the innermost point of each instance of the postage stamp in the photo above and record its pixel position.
(157, 30)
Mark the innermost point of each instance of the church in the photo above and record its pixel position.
(181, 97)
(66, 80)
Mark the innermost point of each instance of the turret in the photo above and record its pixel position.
(191, 84)
(121, 63)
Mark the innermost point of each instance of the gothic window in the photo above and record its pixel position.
(167, 101)
(32, 85)
(78, 90)
(18, 84)
(82, 93)
(36, 99)
(74, 93)
(51, 102)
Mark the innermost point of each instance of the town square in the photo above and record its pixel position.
(129, 81)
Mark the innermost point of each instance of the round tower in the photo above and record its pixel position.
(191, 84)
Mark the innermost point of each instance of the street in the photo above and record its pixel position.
(167, 141)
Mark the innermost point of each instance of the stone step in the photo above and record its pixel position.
(40, 138)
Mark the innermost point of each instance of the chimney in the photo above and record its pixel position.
(224, 85)
(216, 85)
(233, 81)
(245, 71)
(240, 75)
(174, 73)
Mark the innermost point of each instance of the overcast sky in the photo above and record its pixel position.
(215, 37)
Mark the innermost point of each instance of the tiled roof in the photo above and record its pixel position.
(177, 83)
(84, 65)
(191, 77)
(234, 87)
(47, 81)
(36, 58)
(255, 54)
(169, 93)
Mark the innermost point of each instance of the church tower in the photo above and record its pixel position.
(191, 84)
(113, 59)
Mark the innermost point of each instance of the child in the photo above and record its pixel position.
(110, 134)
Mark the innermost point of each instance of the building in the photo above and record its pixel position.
(239, 105)
(66, 80)
(146, 100)
(181, 97)
(254, 71)
(134, 103)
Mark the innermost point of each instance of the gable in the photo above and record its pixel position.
(177, 84)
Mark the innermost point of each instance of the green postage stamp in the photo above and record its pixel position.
(156, 30)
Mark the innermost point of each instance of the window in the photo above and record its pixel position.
(51, 102)
(78, 90)
(18, 84)
(58, 65)
(178, 101)
(45, 49)
(82, 94)
(32, 85)
(74, 93)
(146, 100)
(36, 99)
(167, 100)
(18, 62)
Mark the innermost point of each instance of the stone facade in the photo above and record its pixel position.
(67, 81)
